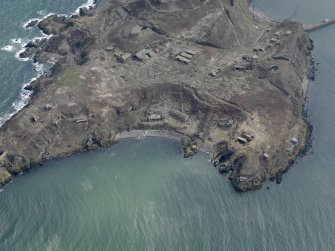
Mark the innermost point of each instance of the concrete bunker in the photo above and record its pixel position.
(186, 56)
(154, 117)
(178, 115)
(144, 54)
(122, 57)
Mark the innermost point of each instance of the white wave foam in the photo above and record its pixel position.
(22, 101)
(24, 98)
(20, 41)
(89, 4)
(41, 68)
(25, 95)
(16, 40)
(17, 55)
(22, 49)
(8, 48)
(47, 15)
(43, 35)
(17, 45)
(43, 14)
(24, 25)
(24, 42)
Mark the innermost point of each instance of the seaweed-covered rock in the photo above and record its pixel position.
(5, 176)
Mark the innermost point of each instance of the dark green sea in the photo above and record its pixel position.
(143, 195)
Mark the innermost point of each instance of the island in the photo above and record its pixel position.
(212, 73)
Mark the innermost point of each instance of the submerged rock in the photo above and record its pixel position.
(32, 23)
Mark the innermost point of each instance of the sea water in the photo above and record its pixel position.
(142, 195)
(14, 73)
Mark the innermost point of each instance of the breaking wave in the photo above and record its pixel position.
(90, 4)
(17, 45)
(8, 48)
(21, 102)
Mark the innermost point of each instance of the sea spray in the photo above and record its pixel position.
(21, 102)
(8, 48)
(38, 19)
(90, 4)
(18, 45)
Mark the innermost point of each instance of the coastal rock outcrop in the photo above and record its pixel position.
(32, 23)
(53, 24)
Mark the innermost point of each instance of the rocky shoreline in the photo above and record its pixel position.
(97, 94)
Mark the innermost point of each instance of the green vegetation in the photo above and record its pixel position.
(70, 78)
(4, 176)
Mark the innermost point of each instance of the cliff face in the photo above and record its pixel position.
(211, 71)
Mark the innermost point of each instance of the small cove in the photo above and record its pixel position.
(142, 194)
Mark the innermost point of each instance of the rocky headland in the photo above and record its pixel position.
(211, 71)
